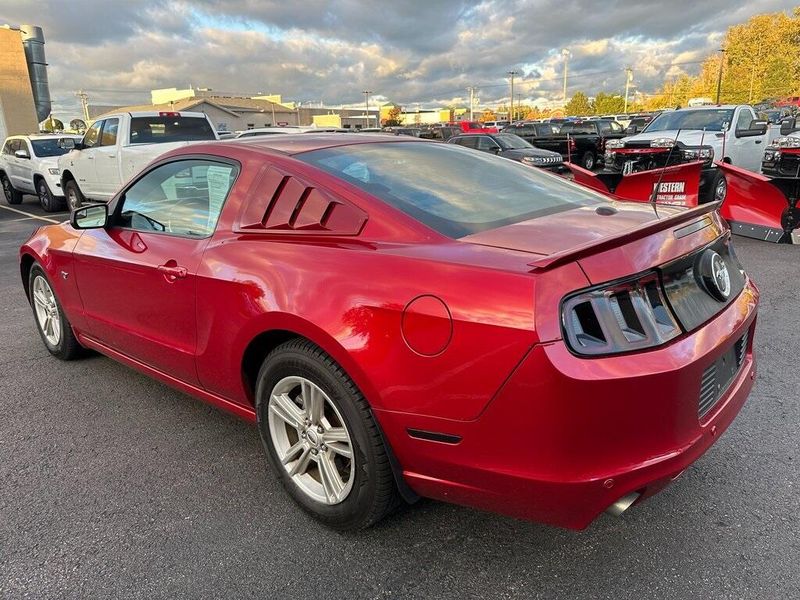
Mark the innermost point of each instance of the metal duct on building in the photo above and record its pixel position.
(33, 42)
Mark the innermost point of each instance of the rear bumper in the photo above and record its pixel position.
(566, 437)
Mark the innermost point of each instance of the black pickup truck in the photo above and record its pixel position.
(581, 142)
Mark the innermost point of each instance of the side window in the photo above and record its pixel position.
(8, 147)
(486, 143)
(745, 119)
(92, 136)
(16, 145)
(182, 198)
(109, 135)
(615, 127)
(469, 142)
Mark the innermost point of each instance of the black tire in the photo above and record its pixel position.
(73, 195)
(46, 198)
(373, 494)
(13, 196)
(588, 160)
(717, 188)
(68, 347)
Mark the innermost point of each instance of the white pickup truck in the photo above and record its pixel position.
(118, 146)
(727, 133)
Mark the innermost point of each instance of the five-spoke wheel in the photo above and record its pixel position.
(311, 439)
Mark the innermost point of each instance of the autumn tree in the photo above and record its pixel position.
(393, 118)
(487, 115)
(760, 62)
(578, 105)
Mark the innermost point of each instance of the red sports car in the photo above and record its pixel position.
(403, 318)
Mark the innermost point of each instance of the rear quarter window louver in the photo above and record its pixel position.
(284, 203)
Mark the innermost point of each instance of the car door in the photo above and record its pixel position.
(747, 152)
(83, 161)
(12, 162)
(137, 275)
(106, 161)
(487, 144)
(24, 168)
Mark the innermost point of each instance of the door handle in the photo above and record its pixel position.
(173, 272)
(89, 157)
(112, 156)
(758, 141)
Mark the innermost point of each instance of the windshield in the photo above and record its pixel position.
(158, 129)
(45, 148)
(509, 141)
(710, 120)
(451, 189)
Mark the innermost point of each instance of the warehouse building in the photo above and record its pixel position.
(24, 93)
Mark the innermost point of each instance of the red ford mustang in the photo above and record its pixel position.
(403, 318)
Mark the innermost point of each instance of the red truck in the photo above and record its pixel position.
(473, 127)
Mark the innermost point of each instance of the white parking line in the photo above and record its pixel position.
(29, 215)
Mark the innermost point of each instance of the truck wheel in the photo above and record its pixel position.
(12, 196)
(73, 195)
(588, 160)
(717, 189)
(46, 198)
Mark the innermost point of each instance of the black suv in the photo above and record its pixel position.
(510, 146)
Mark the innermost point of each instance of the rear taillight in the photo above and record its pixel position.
(572, 145)
(621, 317)
(169, 114)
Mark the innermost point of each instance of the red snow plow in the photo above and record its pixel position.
(678, 185)
(757, 206)
(762, 207)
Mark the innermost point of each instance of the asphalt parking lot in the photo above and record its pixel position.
(113, 485)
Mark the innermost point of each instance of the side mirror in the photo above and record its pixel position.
(92, 216)
(496, 149)
(788, 125)
(67, 143)
(756, 128)
(22, 154)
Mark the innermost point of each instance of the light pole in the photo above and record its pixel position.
(366, 103)
(628, 79)
(719, 75)
(511, 98)
(471, 90)
(566, 54)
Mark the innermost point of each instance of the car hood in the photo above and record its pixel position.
(48, 162)
(522, 152)
(571, 228)
(690, 137)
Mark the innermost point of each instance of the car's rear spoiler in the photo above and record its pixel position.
(572, 254)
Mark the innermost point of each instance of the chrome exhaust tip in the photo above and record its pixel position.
(623, 504)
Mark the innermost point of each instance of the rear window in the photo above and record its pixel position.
(160, 129)
(578, 128)
(453, 190)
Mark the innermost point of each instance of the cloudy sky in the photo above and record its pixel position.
(406, 51)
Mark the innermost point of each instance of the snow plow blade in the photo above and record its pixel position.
(680, 184)
(762, 207)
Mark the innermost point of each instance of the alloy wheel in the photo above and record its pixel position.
(7, 191)
(721, 190)
(44, 195)
(47, 313)
(72, 199)
(311, 440)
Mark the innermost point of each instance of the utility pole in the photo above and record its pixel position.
(471, 90)
(511, 98)
(628, 79)
(84, 98)
(719, 75)
(366, 103)
(519, 112)
(566, 54)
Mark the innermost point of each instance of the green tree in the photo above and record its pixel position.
(578, 105)
(605, 104)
